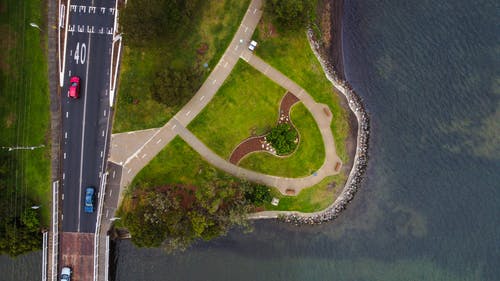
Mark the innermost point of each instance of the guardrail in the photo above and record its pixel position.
(44, 255)
(102, 192)
(55, 228)
(106, 269)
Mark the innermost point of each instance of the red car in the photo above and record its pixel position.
(74, 87)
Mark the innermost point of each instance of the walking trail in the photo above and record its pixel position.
(133, 150)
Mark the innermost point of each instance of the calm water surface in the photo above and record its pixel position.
(429, 208)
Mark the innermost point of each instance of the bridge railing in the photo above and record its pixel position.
(102, 192)
(44, 255)
(55, 229)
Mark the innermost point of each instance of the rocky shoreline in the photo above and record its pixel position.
(361, 156)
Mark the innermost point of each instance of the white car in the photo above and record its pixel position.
(66, 274)
(252, 45)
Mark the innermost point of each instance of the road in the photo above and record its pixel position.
(85, 120)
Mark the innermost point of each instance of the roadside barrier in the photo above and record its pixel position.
(44, 255)
(55, 228)
(102, 192)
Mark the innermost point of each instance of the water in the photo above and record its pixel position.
(430, 206)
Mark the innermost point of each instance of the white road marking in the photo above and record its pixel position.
(62, 216)
(64, 155)
(187, 113)
(246, 29)
(83, 134)
(64, 175)
(92, 9)
(101, 153)
(72, 7)
(110, 192)
(158, 141)
(104, 112)
(213, 82)
(225, 65)
(254, 10)
(173, 127)
(103, 133)
(62, 197)
(202, 97)
(82, 8)
(236, 47)
(103, 10)
(143, 155)
(65, 135)
(69, 73)
(114, 174)
(107, 211)
(129, 170)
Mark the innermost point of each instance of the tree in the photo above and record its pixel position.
(147, 21)
(174, 87)
(283, 138)
(289, 14)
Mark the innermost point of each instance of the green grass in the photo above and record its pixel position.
(291, 54)
(24, 101)
(308, 157)
(177, 163)
(311, 199)
(214, 25)
(246, 104)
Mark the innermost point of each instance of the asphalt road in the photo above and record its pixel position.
(85, 120)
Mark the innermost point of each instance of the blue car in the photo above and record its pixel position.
(89, 199)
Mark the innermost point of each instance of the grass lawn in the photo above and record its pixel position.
(311, 199)
(177, 163)
(308, 157)
(291, 54)
(24, 102)
(246, 104)
(215, 24)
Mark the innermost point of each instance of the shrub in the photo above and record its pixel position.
(283, 138)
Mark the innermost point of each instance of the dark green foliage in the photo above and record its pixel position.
(174, 87)
(283, 138)
(144, 21)
(19, 224)
(258, 195)
(177, 215)
(289, 14)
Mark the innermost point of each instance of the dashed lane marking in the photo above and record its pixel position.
(143, 155)
(173, 127)
(158, 141)
(187, 113)
(202, 97)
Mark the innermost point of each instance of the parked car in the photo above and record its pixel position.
(66, 274)
(74, 87)
(252, 46)
(89, 199)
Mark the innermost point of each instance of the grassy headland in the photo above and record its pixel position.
(175, 60)
(24, 122)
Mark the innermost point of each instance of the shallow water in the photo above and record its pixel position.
(428, 72)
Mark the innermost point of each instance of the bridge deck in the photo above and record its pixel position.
(77, 252)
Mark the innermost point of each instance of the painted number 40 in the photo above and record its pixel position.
(80, 53)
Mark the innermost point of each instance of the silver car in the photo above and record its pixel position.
(66, 274)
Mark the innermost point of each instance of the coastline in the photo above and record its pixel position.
(328, 54)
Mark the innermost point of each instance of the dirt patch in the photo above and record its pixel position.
(10, 120)
(267, 29)
(7, 43)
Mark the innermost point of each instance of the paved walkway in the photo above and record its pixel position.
(133, 150)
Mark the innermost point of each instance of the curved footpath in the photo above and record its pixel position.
(133, 150)
(360, 159)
